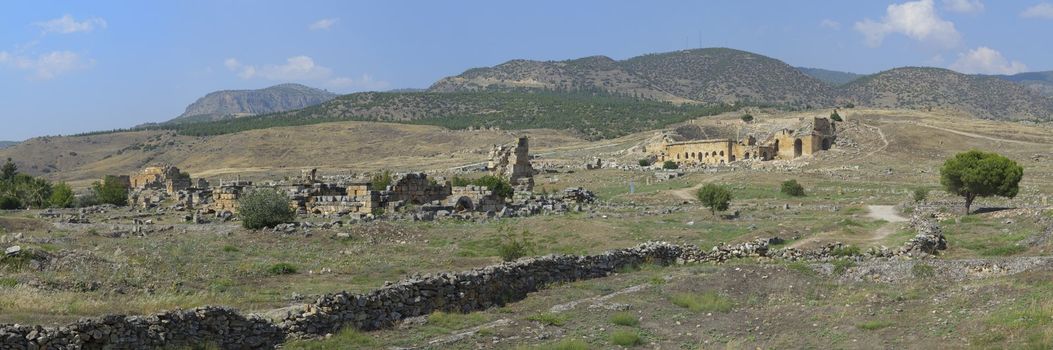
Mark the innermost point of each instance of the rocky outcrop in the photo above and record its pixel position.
(278, 98)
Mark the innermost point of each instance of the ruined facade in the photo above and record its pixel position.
(513, 163)
(160, 176)
(811, 138)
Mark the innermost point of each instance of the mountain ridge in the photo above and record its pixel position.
(236, 103)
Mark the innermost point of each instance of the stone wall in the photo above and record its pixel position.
(206, 325)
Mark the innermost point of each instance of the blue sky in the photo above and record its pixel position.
(68, 67)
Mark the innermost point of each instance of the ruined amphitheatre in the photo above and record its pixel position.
(701, 198)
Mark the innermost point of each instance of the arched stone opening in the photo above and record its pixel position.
(798, 148)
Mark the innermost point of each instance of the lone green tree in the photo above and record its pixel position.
(264, 208)
(8, 170)
(716, 198)
(61, 196)
(110, 191)
(670, 165)
(979, 174)
(792, 188)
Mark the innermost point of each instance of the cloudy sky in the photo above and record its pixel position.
(68, 67)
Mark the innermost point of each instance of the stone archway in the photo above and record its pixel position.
(798, 148)
(463, 204)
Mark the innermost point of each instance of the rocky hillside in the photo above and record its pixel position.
(923, 88)
(237, 103)
(714, 75)
(1040, 82)
(830, 77)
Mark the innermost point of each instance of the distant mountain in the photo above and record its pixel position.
(712, 75)
(1040, 82)
(916, 87)
(6, 144)
(830, 77)
(238, 103)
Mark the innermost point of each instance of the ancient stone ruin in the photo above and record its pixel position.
(808, 139)
(513, 163)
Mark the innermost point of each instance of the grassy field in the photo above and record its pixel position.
(746, 304)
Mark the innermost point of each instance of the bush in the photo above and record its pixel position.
(625, 319)
(281, 269)
(670, 165)
(264, 208)
(921, 194)
(792, 188)
(512, 249)
(499, 185)
(85, 200)
(835, 117)
(381, 181)
(9, 202)
(747, 118)
(716, 198)
(645, 162)
(61, 196)
(626, 338)
(111, 191)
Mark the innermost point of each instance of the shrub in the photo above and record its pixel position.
(61, 196)
(8, 202)
(264, 208)
(835, 117)
(846, 251)
(85, 200)
(381, 181)
(921, 194)
(626, 338)
(513, 248)
(625, 319)
(645, 162)
(670, 165)
(499, 185)
(920, 270)
(792, 188)
(281, 269)
(110, 191)
(747, 118)
(716, 198)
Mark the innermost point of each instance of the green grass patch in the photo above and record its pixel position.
(626, 338)
(1003, 250)
(348, 338)
(230, 249)
(625, 319)
(548, 319)
(8, 282)
(846, 251)
(802, 267)
(565, 344)
(873, 325)
(704, 302)
(454, 321)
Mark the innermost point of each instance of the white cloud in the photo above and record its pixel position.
(1041, 11)
(46, 66)
(323, 24)
(916, 20)
(66, 25)
(301, 68)
(984, 60)
(829, 23)
(964, 6)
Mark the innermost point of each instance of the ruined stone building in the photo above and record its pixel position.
(513, 163)
(810, 138)
(160, 176)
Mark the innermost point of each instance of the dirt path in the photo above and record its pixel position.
(876, 212)
(688, 194)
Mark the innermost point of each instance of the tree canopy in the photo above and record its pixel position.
(264, 208)
(979, 174)
(716, 198)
